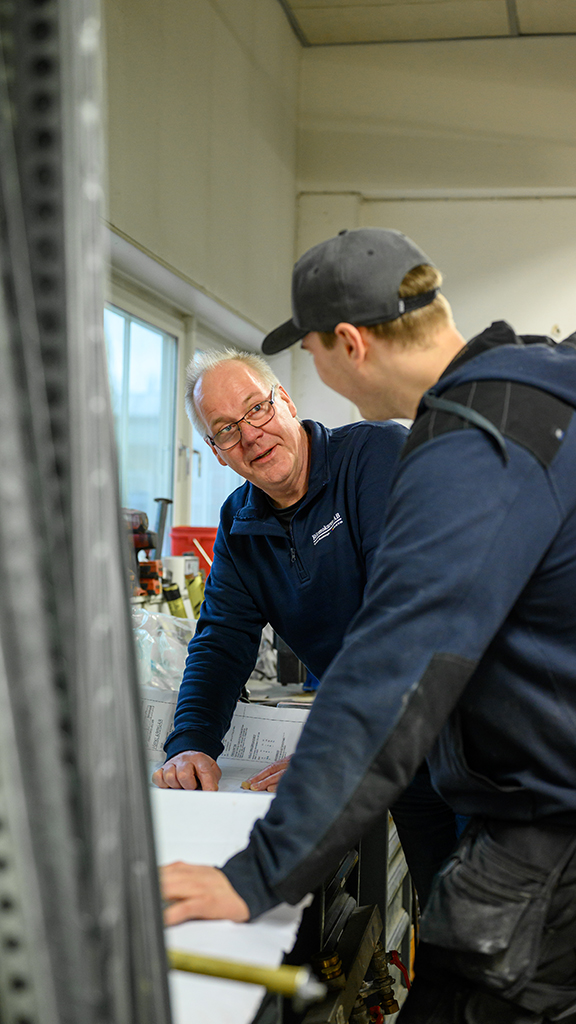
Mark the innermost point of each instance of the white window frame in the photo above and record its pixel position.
(140, 303)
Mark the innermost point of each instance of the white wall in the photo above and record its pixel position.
(202, 101)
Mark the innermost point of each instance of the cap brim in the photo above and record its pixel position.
(284, 336)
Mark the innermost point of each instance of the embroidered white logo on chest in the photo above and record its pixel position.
(325, 530)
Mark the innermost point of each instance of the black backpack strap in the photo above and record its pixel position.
(531, 417)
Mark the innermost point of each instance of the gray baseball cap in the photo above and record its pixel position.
(352, 278)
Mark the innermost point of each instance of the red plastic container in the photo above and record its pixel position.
(198, 540)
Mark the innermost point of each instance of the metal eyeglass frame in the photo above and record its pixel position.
(236, 423)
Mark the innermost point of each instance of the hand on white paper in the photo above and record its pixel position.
(197, 892)
(267, 780)
(188, 770)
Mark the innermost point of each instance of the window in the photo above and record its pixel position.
(211, 482)
(142, 364)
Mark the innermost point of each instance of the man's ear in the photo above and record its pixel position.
(354, 342)
(283, 395)
(215, 451)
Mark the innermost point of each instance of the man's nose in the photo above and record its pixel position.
(250, 433)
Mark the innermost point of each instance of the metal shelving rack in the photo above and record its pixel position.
(80, 920)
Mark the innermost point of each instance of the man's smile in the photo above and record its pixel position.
(262, 455)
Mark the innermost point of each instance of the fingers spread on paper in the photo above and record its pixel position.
(267, 780)
(188, 770)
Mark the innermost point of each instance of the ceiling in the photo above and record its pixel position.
(325, 22)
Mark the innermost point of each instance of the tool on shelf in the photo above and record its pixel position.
(161, 523)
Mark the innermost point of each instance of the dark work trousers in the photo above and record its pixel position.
(427, 828)
(498, 939)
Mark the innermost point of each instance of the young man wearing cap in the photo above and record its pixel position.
(466, 643)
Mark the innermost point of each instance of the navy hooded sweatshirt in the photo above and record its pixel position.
(465, 646)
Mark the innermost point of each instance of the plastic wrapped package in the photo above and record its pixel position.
(161, 648)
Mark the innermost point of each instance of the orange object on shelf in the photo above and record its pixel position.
(196, 540)
(151, 576)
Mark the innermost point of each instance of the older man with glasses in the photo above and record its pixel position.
(294, 548)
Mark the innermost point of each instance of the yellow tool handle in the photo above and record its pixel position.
(288, 981)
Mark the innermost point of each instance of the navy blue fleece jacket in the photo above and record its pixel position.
(308, 584)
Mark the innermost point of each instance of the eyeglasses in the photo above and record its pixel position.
(257, 416)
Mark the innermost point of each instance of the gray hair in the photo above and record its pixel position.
(203, 362)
